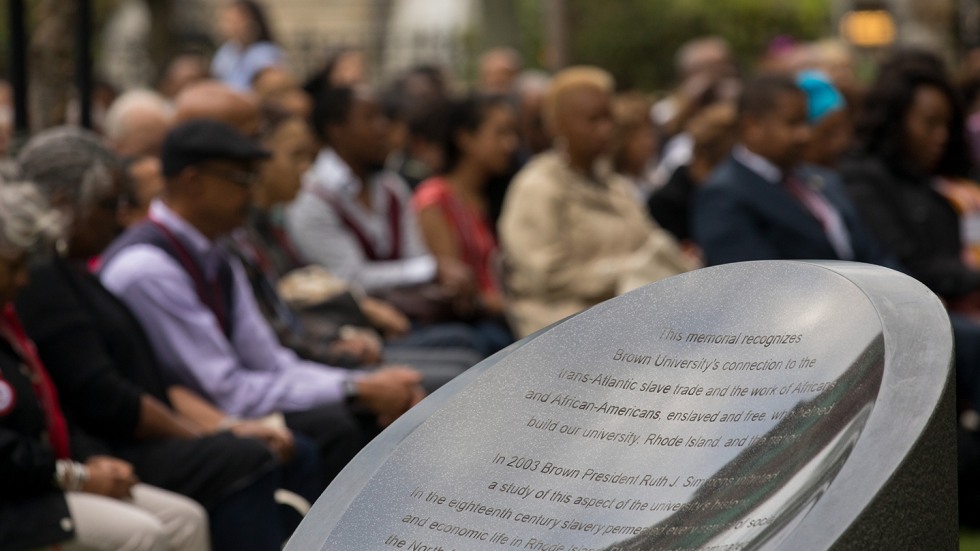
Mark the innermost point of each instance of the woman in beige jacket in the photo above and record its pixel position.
(571, 230)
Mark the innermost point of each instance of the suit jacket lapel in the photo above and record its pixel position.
(778, 205)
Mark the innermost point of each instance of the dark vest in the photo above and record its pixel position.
(216, 293)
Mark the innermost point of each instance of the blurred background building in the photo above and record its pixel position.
(131, 40)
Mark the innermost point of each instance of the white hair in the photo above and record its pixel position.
(68, 163)
(115, 126)
(26, 220)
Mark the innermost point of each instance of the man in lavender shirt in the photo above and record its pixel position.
(201, 317)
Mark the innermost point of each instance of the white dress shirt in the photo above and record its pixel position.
(322, 237)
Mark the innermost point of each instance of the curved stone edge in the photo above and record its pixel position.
(894, 518)
(916, 507)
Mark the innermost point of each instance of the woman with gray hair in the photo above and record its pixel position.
(24, 220)
(80, 177)
(109, 379)
(47, 496)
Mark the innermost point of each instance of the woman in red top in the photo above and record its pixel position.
(480, 141)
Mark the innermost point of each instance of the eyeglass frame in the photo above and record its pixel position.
(244, 178)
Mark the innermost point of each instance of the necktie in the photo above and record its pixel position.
(810, 200)
(824, 212)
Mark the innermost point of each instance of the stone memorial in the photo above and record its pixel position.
(762, 405)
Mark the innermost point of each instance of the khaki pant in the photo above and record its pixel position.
(153, 520)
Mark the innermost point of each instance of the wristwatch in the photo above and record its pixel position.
(351, 394)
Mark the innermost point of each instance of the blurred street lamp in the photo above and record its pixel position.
(868, 28)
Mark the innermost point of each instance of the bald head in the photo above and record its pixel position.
(136, 123)
(213, 100)
(272, 82)
(499, 68)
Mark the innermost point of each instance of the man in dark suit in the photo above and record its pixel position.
(763, 203)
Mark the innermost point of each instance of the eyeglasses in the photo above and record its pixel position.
(239, 177)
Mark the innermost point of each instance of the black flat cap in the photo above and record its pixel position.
(201, 140)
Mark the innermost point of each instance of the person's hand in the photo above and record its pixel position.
(466, 305)
(692, 254)
(458, 282)
(456, 278)
(278, 439)
(390, 392)
(388, 319)
(108, 476)
(418, 394)
(362, 345)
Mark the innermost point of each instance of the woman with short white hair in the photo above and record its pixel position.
(47, 497)
(572, 232)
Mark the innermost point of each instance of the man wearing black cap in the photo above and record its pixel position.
(202, 319)
(215, 167)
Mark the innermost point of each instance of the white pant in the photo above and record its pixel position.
(153, 520)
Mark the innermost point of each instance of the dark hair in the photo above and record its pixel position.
(320, 79)
(399, 100)
(428, 119)
(394, 101)
(759, 93)
(905, 59)
(970, 91)
(880, 128)
(467, 115)
(257, 15)
(273, 116)
(432, 73)
(331, 106)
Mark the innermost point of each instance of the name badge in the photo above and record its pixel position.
(7, 398)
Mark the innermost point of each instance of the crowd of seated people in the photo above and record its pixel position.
(244, 279)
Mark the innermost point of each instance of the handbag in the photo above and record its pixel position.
(425, 303)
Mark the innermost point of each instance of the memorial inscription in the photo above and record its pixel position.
(709, 411)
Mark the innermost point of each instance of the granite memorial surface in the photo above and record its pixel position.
(761, 405)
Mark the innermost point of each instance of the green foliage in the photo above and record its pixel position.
(969, 540)
(636, 39)
(530, 22)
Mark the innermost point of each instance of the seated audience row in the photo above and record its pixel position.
(301, 266)
(61, 487)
